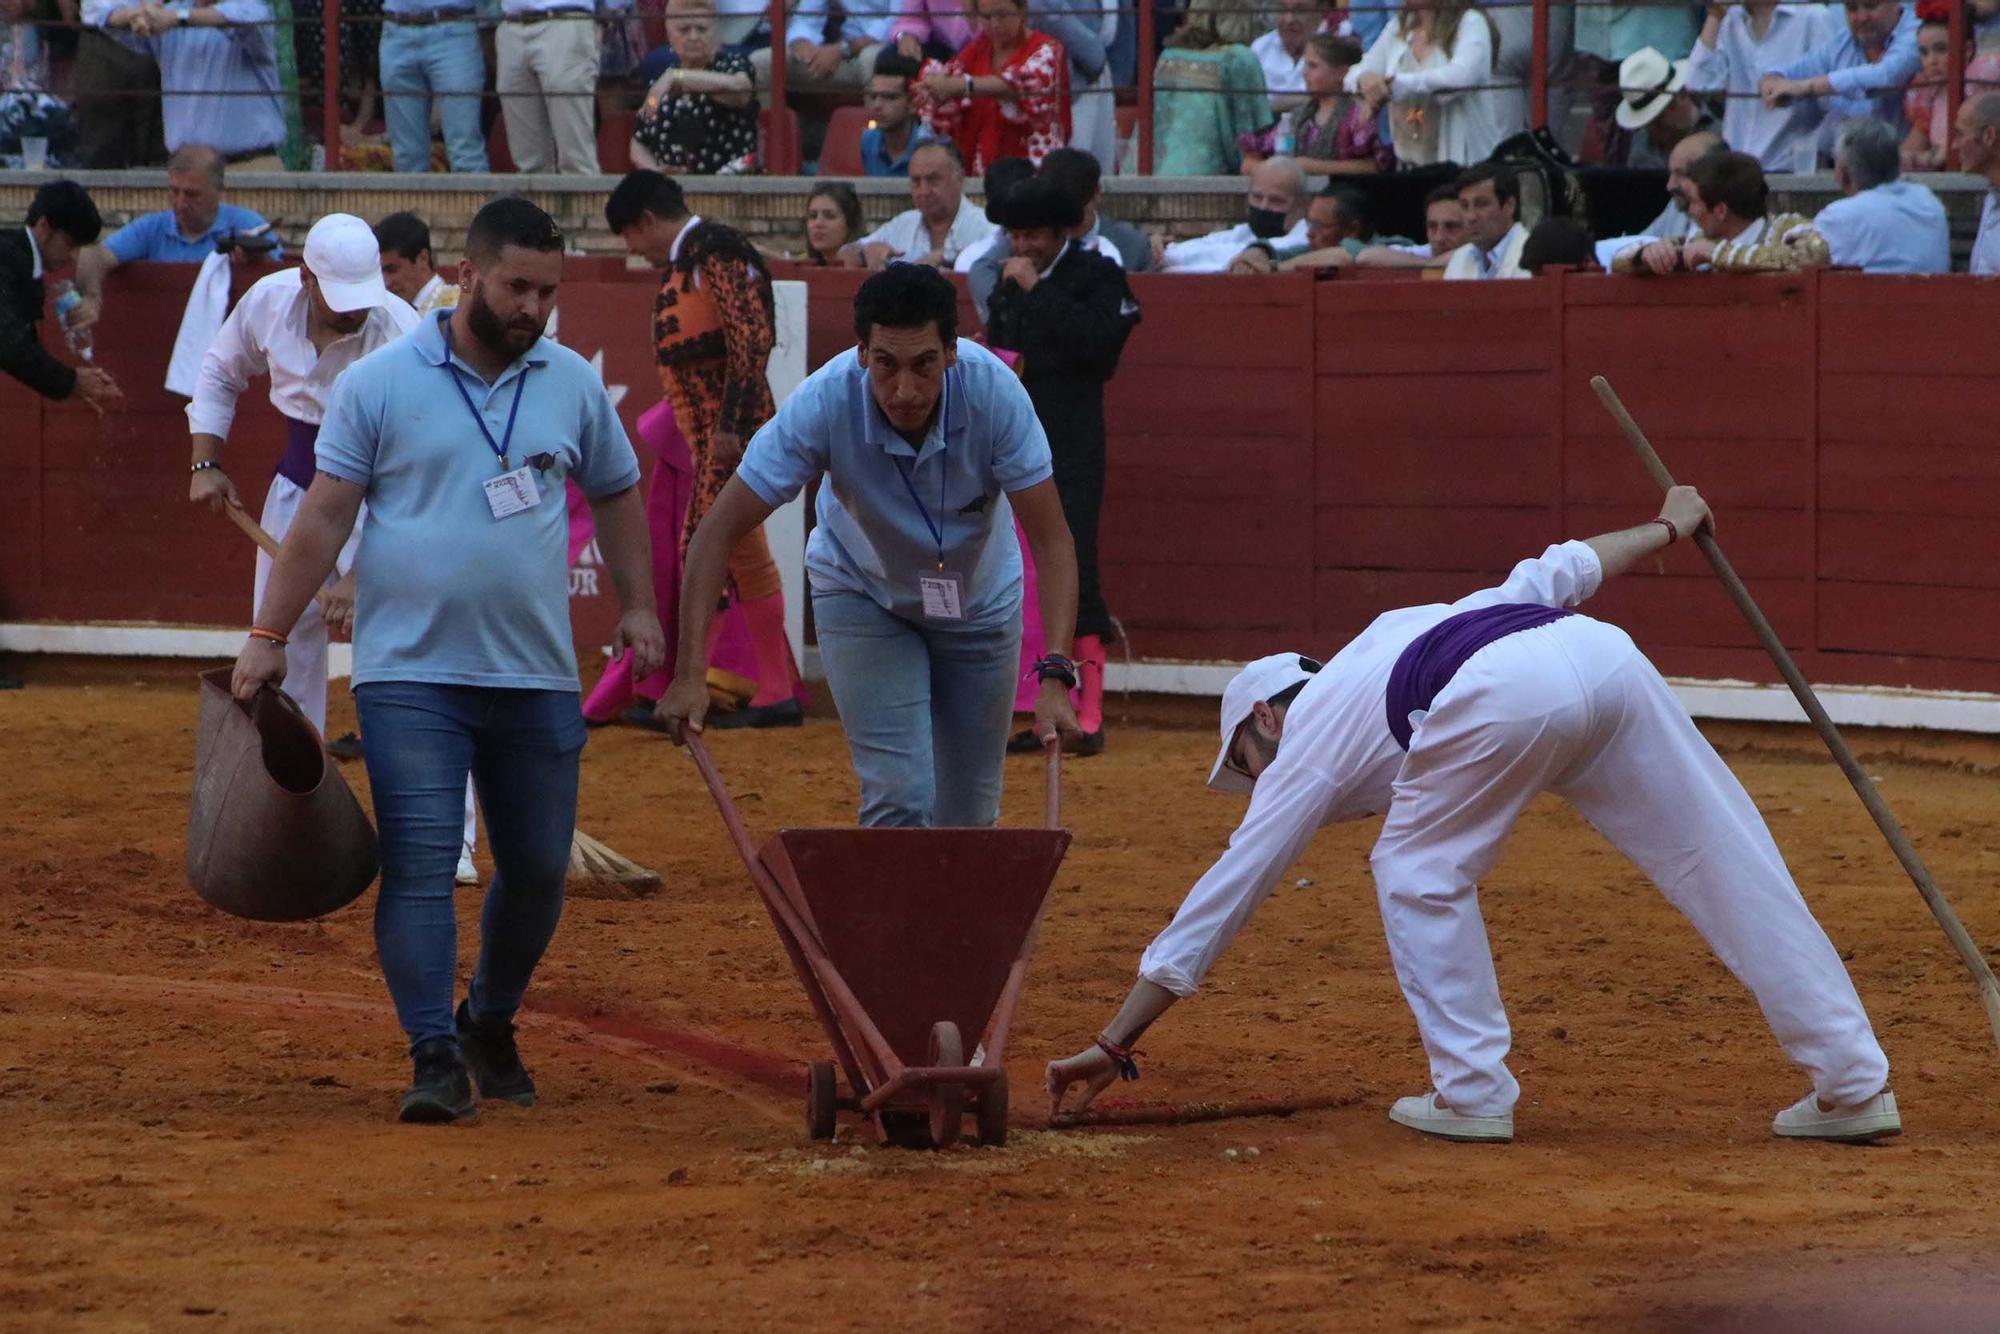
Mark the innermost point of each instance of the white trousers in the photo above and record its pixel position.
(305, 653)
(1574, 708)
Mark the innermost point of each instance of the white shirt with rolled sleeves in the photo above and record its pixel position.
(872, 536)
(910, 239)
(266, 335)
(1337, 762)
(1213, 252)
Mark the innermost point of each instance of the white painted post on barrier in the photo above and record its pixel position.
(786, 528)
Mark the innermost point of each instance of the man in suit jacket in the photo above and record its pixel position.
(1067, 311)
(61, 220)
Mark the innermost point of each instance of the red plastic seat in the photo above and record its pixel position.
(841, 153)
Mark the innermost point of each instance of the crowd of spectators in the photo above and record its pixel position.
(1277, 90)
(1371, 87)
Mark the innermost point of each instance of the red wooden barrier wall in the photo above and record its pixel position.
(1290, 457)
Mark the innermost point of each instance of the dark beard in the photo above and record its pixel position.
(497, 337)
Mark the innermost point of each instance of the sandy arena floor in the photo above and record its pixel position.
(197, 1109)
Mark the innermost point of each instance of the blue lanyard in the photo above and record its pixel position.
(937, 530)
(506, 441)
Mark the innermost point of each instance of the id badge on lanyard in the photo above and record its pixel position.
(514, 490)
(943, 590)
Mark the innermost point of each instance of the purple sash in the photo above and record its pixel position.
(1434, 657)
(297, 466)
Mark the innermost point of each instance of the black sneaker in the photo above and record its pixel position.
(440, 1091)
(496, 1062)
(1024, 742)
(785, 713)
(347, 747)
(1088, 743)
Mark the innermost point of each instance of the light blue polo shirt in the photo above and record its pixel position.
(446, 593)
(872, 537)
(157, 236)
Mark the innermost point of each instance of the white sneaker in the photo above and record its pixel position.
(1874, 1119)
(1426, 1113)
(467, 873)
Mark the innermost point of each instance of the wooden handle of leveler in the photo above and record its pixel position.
(1052, 783)
(1961, 940)
(253, 530)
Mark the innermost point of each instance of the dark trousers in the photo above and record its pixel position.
(1079, 478)
(117, 105)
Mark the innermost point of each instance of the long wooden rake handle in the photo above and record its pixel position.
(1961, 940)
(265, 542)
(1052, 784)
(252, 530)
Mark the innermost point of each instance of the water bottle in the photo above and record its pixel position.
(79, 340)
(1286, 141)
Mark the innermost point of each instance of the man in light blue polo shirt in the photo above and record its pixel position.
(183, 233)
(460, 437)
(929, 446)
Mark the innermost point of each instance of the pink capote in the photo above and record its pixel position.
(667, 497)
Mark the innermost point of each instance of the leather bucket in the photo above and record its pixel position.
(274, 832)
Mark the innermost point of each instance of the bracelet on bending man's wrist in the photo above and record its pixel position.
(1673, 533)
(1128, 1068)
(205, 465)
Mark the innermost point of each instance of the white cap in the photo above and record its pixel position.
(1258, 681)
(344, 256)
(1647, 82)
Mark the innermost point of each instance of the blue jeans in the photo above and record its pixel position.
(522, 749)
(926, 707)
(442, 61)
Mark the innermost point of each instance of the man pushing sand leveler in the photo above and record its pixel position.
(1451, 719)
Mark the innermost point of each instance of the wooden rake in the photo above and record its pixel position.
(1961, 940)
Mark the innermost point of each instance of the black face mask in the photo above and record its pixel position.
(1266, 223)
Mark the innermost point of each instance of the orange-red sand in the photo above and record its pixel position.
(197, 1110)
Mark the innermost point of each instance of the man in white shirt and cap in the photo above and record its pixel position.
(302, 327)
(1451, 719)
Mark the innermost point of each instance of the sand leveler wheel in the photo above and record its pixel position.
(992, 1113)
(947, 1100)
(820, 1100)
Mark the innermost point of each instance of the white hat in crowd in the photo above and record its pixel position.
(1647, 82)
(1258, 681)
(344, 256)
